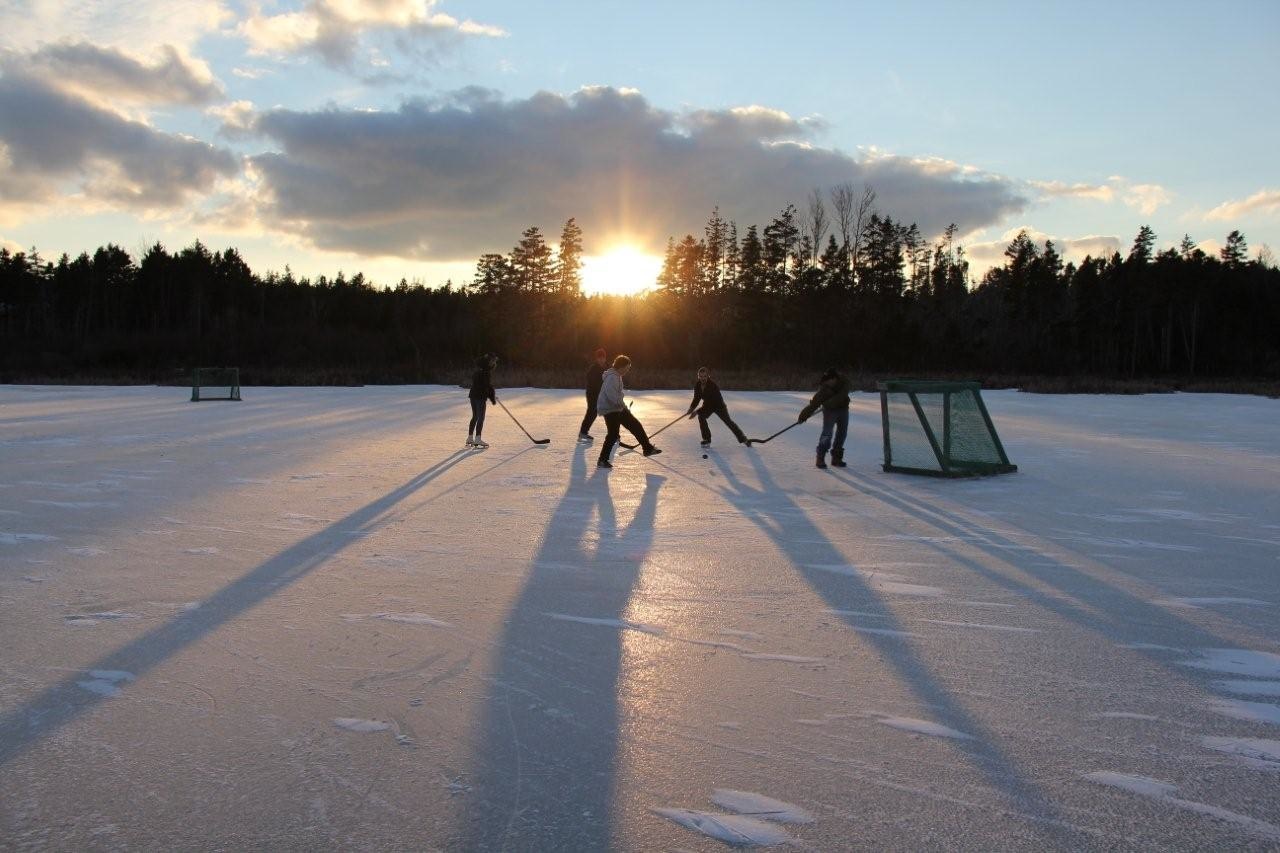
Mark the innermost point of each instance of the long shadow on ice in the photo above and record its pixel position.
(819, 562)
(546, 752)
(59, 704)
(1068, 591)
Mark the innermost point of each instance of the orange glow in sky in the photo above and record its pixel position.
(623, 270)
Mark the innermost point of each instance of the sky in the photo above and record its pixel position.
(403, 138)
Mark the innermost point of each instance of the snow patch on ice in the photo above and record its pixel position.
(87, 552)
(887, 632)
(206, 551)
(982, 626)
(75, 504)
(746, 635)
(1143, 785)
(1259, 749)
(621, 624)
(1152, 647)
(1237, 662)
(412, 619)
(1164, 792)
(923, 727)
(18, 538)
(783, 658)
(758, 805)
(1254, 712)
(737, 830)
(355, 724)
(1247, 687)
(104, 682)
(1125, 715)
(1197, 603)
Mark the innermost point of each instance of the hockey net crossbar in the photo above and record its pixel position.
(940, 429)
(215, 383)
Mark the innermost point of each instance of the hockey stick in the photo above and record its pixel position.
(751, 441)
(522, 429)
(673, 423)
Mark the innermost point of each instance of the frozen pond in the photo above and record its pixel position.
(312, 620)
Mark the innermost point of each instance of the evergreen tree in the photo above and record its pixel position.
(531, 262)
(569, 264)
(1236, 252)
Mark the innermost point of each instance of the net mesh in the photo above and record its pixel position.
(215, 383)
(953, 412)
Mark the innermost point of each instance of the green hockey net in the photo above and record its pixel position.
(215, 383)
(939, 428)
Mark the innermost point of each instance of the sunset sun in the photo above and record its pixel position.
(621, 271)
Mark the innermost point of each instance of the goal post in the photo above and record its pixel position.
(940, 429)
(215, 383)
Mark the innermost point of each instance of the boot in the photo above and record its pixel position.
(837, 459)
(822, 459)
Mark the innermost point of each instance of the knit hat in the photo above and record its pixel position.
(829, 374)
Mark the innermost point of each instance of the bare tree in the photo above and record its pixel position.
(842, 201)
(815, 224)
(865, 209)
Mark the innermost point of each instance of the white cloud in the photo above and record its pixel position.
(450, 179)
(984, 255)
(138, 25)
(333, 28)
(1145, 198)
(57, 147)
(1262, 202)
(115, 79)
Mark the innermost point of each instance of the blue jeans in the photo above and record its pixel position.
(839, 420)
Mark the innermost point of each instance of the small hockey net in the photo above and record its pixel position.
(939, 428)
(215, 383)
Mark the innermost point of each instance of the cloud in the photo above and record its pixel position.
(333, 28)
(137, 25)
(1261, 202)
(1145, 198)
(54, 145)
(984, 255)
(112, 77)
(452, 178)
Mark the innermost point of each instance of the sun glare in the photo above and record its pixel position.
(623, 271)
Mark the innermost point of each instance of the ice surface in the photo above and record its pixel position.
(312, 620)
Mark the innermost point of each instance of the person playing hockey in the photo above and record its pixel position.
(612, 405)
(595, 378)
(833, 398)
(707, 392)
(481, 391)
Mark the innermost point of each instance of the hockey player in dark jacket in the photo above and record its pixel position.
(833, 399)
(707, 392)
(595, 378)
(481, 391)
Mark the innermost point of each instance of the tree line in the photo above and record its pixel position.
(835, 282)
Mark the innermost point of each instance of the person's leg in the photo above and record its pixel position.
(842, 430)
(723, 412)
(471, 425)
(478, 407)
(590, 417)
(611, 422)
(704, 427)
(634, 427)
(824, 438)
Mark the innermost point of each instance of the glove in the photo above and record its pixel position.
(692, 412)
(805, 414)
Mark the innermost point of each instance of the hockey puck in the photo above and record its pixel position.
(704, 456)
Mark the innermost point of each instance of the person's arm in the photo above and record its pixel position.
(697, 396)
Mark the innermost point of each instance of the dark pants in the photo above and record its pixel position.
(590, 417)
(837, 419)
(477, 417)
(723, 412)
(613, 421)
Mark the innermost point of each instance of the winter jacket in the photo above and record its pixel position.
(595, 378)
(482, 385)
(707, 393)
(833, 395)
(611, 393)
